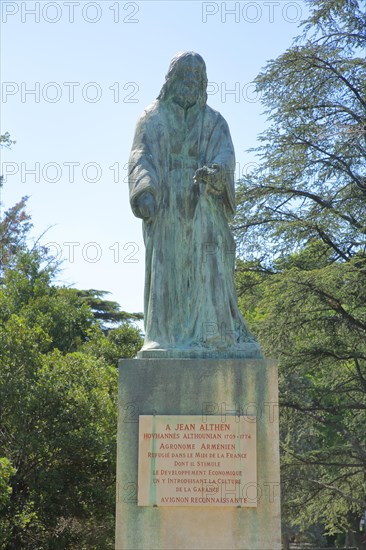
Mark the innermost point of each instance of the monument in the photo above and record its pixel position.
(198, 459)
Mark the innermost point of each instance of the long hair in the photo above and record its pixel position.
(170, 78)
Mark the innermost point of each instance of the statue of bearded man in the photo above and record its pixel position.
(181, 182)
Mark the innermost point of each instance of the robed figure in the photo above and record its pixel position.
(181, 178)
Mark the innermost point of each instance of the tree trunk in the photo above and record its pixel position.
(285, 542)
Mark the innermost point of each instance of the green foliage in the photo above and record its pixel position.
(58, 406)
(118, 343)
(28, 293)
(6, 471)
(62, 415)
(14, 227)
(314, 321)
(14, 223)
(311, 182)
(301, 224)
(5, 140)
(107, 311)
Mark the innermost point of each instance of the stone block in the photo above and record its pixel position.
(199, 387)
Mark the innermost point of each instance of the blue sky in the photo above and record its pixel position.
(93, 67)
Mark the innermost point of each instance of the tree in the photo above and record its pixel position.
(107, 311)
(14, 227)
(299, 318)
(301, 224)
(121, 342)
(14, 224)
(58, 406)
(5, 140)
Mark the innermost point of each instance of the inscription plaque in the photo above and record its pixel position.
(197, 461)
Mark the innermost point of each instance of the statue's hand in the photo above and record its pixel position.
(146, 206)
(212, 177)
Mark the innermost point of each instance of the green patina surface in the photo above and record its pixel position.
(181, 180)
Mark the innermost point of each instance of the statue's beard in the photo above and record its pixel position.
(186, 95)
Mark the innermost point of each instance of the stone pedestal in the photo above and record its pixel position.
(198, 387)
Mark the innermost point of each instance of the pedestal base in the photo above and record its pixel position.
(198, 387)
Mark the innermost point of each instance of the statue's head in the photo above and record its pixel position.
(186, 80)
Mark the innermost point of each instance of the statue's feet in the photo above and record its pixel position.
(148, 346)
(217, 348)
